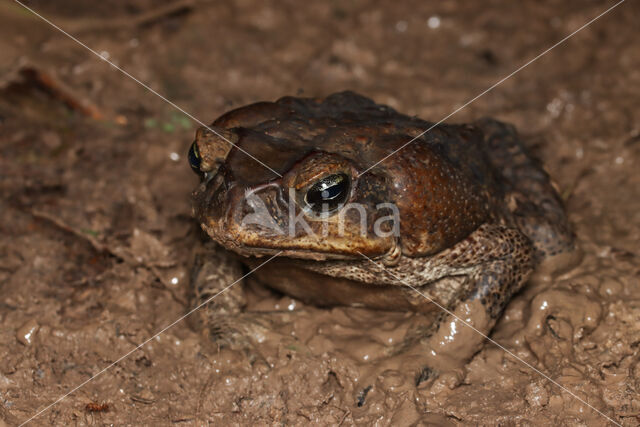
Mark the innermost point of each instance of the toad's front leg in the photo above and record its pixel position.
(218, 300)
(497, 260)
(461, 332)
(493, 263)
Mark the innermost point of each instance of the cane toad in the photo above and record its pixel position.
(455, 220)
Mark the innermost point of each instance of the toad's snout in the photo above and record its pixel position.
(235, 215)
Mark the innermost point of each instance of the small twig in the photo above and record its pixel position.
(344, 417)
(99, 247)
(141, 400)
(60, 91)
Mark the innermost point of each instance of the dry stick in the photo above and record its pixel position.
(60, 91)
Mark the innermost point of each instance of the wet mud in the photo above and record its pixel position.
(96, 233)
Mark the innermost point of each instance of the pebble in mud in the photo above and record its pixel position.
(536, 395)
(610, 287)
(27, 332)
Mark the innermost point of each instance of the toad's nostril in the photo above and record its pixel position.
(261, 209)
(218, 184)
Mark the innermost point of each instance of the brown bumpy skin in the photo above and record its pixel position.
(476, 213)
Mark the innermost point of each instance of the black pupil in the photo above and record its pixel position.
(328, 193)
(194, 158)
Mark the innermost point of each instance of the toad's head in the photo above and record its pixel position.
(293, 176)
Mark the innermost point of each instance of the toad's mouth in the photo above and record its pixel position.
(254, 241)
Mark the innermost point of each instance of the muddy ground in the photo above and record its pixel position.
(96, 232)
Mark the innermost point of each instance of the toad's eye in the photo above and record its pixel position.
(194, 158)
(328, 193)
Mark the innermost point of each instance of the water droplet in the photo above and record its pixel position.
(433, 22)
